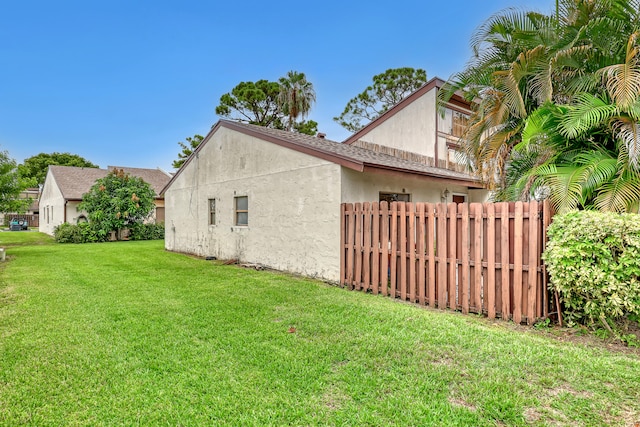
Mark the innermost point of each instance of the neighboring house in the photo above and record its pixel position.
(273, 197)
(64, 186)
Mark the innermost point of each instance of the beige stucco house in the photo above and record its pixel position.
(273, 197)
(64, 186)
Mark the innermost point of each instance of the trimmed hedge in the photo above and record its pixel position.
(85, 232)
(147, 231)
(81, 233)
(593, 259)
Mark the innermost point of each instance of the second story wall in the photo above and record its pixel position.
(412, 128)
(417, 125)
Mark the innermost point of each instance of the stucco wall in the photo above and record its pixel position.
(294, 206)
(411, 129)
(51, 206)
(366, 187)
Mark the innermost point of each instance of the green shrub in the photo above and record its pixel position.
(81, 233)
(593, 259)
(147, 231)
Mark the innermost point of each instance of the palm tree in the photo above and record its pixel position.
(503, 82)
(557, 104)
(296, 97)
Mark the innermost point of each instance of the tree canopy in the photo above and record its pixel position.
(10, 186)
(556, 104)
(388, 89)
(34, 169)
(276, 105)
(296, 97)
(118, 201)
(187, 149)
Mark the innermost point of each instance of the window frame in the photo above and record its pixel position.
(211, 207)
(389, 196)
(237, 211)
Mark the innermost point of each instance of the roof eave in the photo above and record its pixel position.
(470, 183)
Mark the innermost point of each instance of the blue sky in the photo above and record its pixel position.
(121, 82)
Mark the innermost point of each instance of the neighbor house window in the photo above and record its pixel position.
(212, 211)
(242, 210)
(453, 123)
(395, 197)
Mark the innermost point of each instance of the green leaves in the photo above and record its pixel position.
(276, 105)
(296, 97)
(588, 112)
(388, 89)
(118, 201)
(35, 167)
(10, 186)
(593, 261)
(193, 143)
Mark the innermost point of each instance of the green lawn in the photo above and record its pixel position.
(128, 334)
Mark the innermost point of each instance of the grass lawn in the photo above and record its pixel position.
(128, 334)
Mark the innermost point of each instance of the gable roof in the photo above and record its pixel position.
(157, 178)
(431, 84)
(74, 181)
(349, 156)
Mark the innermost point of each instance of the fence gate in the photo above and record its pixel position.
(478, 257)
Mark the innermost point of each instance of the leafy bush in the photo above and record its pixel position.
(147, 231)
(118, 201)
(81, 233)
(594, 262)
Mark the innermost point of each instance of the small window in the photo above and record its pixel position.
(242, 210)
(212, 211)
(395, 197)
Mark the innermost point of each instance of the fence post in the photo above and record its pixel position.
(504, 260)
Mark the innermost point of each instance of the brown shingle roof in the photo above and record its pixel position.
(350, 156)
(157, 178)
(74, 181)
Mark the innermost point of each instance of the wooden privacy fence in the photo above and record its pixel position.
(478, 257)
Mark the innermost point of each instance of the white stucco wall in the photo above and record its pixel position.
(51, 206)
(294, 206)
(366, 187)
(411, 129)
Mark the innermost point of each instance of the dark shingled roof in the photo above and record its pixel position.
(350, 156)
(74, 181)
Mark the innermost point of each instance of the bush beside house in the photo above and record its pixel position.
(593, 259)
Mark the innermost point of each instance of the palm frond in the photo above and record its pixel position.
(623, 80)
(589, 112)
(628, 131)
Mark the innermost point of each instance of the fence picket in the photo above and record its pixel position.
(375, 247)
(420, 249)
(504, 260)
(402, 218)
(350, 244)
(394, 249)
(411, 262)
(441, 258)
(366, 247)
(491, 261)
(478, 209)
(517, 263)
(358, 251)
(464, 267)
(452, 210)
(431, 248)
(534, 257)
(384, 243)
